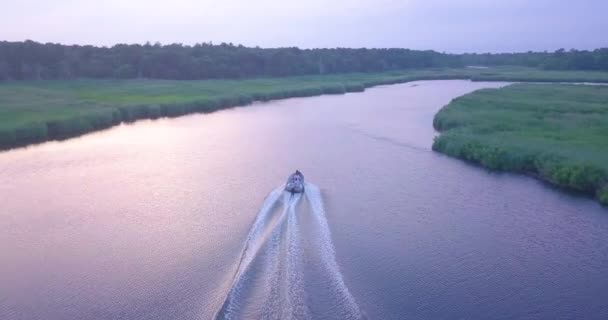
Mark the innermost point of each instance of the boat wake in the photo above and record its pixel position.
(287, 268)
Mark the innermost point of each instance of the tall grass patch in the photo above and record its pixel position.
(558, 133)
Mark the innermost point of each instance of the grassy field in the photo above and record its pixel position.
(556, 132)
(520, 74)
(32, 112)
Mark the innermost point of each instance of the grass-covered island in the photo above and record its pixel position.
(558, 133)
(36, 111)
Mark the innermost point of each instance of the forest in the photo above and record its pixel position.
(30, 60)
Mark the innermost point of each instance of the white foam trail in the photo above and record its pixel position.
(296, 297)
(253, 244)
(278, 241)
(273, 305)
(328, 256)
(285, 299)
(286, 296)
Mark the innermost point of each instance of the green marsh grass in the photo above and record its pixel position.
(556, 132)
(36, 111)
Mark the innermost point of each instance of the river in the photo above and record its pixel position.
(150, 221)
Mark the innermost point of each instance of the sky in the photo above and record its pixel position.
(442, 25)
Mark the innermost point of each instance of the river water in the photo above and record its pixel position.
(177, 219)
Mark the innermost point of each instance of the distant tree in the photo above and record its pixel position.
(125, 71)
(4, 71)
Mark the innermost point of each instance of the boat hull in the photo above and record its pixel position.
(295, 183)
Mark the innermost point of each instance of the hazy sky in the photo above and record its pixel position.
(442, 25)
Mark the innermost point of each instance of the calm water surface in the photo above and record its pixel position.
(148, 221)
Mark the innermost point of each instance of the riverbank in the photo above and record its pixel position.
(38, 111)
(554, 132)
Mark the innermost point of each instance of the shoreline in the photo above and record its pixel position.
(85, 120)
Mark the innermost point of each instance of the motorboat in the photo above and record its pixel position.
(295, 183)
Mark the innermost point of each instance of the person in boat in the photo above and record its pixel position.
(295, 183)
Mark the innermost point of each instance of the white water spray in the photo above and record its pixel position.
(325, 249)
(273, 245)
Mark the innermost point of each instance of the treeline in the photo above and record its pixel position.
(558, 60)
(31, 60)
